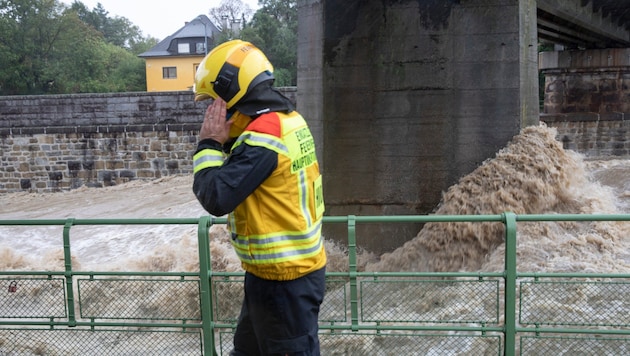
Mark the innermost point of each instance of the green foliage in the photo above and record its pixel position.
(116, 30)
(283, 77)
(30, 29)
(273, 29)
(48, 48)
(228, 15)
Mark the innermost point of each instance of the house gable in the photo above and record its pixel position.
(171, 64)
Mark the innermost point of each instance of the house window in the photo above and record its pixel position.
(183, 48)
(169, 72)
(200, 47)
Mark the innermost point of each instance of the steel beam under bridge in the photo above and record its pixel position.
(584, 24)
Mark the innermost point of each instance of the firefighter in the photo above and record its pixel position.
(256, 161)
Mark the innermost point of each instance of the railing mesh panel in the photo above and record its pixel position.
(102, 342)
(336, 301)
(471, 301)
(228, 296)
(362, 344)
(401, 313)
(32, 298)
(139, 299)
(535, 346)
(575, 303)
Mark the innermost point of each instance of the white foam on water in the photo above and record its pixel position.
(533, 174)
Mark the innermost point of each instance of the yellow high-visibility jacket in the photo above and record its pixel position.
(276, 222)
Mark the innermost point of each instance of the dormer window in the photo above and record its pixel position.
(183, 48)
(200, 47)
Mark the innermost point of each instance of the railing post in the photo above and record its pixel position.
(205, 273)
(510, 283)
(67, 261)
(352, 270)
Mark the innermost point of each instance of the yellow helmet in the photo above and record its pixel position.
(230, 71)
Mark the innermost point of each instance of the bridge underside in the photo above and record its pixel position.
(584, 24)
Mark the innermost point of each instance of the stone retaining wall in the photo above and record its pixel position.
(61, 142)
(592, 134)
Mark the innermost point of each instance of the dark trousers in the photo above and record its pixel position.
(280, 317)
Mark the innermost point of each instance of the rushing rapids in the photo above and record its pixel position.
(533, 174)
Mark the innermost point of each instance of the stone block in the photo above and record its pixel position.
(25, 184)
(114, 164)
(127, 173)
(145, 173)
(99, 165)
(156, 146)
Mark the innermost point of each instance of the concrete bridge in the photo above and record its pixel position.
(407, 96)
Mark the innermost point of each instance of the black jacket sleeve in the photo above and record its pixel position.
(221, 189)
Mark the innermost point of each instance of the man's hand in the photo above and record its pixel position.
(214, 124)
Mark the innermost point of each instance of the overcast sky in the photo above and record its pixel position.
(158, 18)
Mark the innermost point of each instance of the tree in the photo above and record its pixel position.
(35, 35)
(230, 16)
(283, 11)
(116, 30)
(273, 29)
(46, 47)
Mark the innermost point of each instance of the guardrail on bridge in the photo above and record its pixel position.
(394, 313)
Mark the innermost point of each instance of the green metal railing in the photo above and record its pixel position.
(376, 313)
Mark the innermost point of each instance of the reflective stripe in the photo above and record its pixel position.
(291, 253)
(207, 158)
(257, 139)
(275, 239)
(304, 199)
(282, 256)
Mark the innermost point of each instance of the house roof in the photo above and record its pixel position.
(199, 27)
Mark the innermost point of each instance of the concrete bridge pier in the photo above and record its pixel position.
(407, 96)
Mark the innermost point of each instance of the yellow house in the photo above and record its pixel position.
(172, 63)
